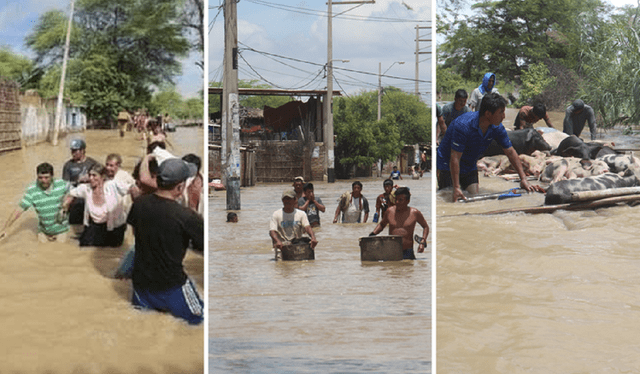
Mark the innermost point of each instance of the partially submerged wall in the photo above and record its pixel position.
(9, 116)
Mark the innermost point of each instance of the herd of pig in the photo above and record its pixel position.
(566, 162)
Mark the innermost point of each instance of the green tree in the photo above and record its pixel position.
(19, 68)
(135, 46)
(610, 68)
(507, 36)
(535, 81)
(411, 116)
(361, 139)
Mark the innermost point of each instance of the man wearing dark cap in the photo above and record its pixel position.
(576, 116)
(163, 229)
(75, 171)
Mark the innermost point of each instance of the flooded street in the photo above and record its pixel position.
(62, 311)
(335, 314)
(547, 293)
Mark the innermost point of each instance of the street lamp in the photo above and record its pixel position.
(380, 84)
(328, 128)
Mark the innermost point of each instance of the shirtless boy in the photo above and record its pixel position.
(402, 220)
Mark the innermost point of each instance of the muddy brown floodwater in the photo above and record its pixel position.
(335, 314)
(61, 310)
(548, 293)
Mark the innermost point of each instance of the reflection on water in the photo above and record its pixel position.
(548, 293)
(333, 314)
(62, 312)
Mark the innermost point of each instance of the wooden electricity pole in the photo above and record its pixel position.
(230, 151)
(58, 120)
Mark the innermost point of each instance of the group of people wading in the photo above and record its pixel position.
(301, 208)
(161, 200)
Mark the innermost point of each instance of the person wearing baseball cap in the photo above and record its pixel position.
(576, 115)
(289, 223)
(74, 171)
(163, 229)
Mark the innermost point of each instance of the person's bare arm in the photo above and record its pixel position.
(425, 231)
(309, 231)
(512, 155)
(12, 218)
(145, 175)
(320, 207)
(454, 169)
(277, 243)
(335, 219)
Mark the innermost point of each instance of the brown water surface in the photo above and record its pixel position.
(548, 293)
(335, 314)
(61, 310)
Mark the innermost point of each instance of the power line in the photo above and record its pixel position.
(321, 13)
(335, 67)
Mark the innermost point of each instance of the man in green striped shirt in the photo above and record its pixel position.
(46, 196)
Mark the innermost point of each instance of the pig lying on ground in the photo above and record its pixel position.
(573, 146)
(524, 141)
(493, 165)
(619, 163)
(560, 192)
(554, 138)
(572, 167)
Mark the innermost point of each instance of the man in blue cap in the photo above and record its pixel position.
(576, 115)
(163, 229)
(75, 171)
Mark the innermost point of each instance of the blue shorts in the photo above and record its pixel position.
(407, 254)
(181, 301)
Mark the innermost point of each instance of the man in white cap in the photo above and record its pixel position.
(289, 223)
(576, 115)
(163, 230)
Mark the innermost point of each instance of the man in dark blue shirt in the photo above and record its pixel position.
(466, 139)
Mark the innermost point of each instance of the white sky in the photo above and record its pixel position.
(18, 17)
(286, 32)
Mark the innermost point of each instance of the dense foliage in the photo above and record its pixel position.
(121, 52)
(361, 139)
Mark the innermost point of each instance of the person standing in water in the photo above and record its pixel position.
(352, 204)
(488, 86)
(402, 221)
(46, 195)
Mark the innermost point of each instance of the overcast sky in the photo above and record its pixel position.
(19, 17)
(297, 29)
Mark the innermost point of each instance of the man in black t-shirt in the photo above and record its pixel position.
(163, 230)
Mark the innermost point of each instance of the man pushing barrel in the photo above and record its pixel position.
(402, 220)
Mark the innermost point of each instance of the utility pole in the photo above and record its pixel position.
(418, 53)
(230, 150)
(58, 124)
(328, 106)
(380, 85)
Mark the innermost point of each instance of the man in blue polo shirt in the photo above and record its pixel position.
(465, 141)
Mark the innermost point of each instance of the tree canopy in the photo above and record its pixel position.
(121, 50)
(361, 139)
(507, 36)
